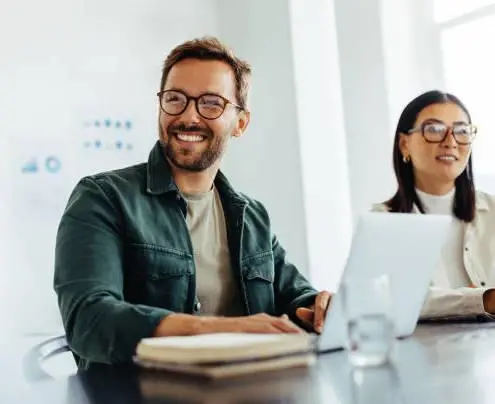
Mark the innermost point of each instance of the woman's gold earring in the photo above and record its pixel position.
(406, 159)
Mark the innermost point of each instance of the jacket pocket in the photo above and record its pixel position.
(258, 275)
(158, 277)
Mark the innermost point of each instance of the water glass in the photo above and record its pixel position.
(367, 310)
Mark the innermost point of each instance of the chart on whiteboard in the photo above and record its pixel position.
(108, 143)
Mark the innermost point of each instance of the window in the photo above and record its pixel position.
(445, 10)
(469, 72)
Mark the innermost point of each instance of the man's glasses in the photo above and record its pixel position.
(437, 132)
(209, 106)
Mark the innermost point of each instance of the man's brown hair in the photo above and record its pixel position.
(210, 48)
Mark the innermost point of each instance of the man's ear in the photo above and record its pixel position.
(242, 123)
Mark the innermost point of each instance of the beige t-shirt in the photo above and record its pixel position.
(216, 288)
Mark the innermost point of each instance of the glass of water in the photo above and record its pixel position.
(367, 309)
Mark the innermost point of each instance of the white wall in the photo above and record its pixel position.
(266, 162)
(322, 139)
(293, 157)
(411, 52)
(365, 98)
(65, 64)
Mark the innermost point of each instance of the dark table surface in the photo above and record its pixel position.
(440, 364)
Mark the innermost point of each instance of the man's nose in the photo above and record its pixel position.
(190, 114)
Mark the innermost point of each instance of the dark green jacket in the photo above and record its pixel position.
(124, 259)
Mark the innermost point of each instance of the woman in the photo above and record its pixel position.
(433, 166)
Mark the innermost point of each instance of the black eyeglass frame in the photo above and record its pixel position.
(226, 101)
(448, 129)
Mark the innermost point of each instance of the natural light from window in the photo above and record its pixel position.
(444, 10)
(469, 72)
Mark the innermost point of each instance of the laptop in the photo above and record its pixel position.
(406, 247)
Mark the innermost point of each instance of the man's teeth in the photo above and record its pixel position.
(446, 158)
(189, 138)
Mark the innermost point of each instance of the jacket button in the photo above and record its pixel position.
(483, 283)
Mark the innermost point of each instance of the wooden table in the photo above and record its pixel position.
(439, 364)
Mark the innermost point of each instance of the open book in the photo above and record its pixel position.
(226, 354)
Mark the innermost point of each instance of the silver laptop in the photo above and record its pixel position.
(407, 247)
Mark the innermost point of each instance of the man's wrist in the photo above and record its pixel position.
(210, 324)
(176, 324)
(205, 325)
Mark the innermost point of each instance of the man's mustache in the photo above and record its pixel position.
(190, 128)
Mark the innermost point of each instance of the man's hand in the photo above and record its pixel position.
(262, 323)
(314, 316)
(186, 324)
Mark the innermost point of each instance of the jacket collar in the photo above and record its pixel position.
(481, 201)
(226, 190)
(160, 180)
(159, 177)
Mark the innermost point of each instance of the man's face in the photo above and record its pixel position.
(191, 141)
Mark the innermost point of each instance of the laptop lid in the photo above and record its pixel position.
(406, 247)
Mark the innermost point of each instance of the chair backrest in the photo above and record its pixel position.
(33, 360)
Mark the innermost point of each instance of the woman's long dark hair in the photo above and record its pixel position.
(406, 197)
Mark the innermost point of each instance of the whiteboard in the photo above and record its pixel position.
(79, 81)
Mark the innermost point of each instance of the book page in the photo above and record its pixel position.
(217, 340)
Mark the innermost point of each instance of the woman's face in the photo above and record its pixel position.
(439, 146)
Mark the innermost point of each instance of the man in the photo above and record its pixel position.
(168, 247)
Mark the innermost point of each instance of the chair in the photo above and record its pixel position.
(32, 363)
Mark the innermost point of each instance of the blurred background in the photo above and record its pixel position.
(77, 96)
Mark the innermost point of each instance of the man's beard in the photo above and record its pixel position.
(190, 160)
